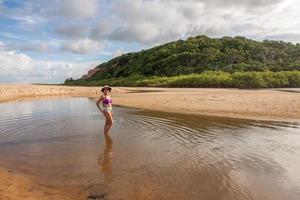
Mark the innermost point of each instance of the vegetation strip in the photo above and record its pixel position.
(265, 79)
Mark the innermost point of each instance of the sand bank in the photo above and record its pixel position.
(15, 91)
(264, 104)
(17, 187)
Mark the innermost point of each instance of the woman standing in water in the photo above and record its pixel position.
(106, 101)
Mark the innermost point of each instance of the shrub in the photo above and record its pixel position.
(248, 80)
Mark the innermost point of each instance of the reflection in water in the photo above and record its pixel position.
(155, 155)
(105, 159)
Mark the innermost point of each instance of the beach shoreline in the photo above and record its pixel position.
(10, 92)
(260, 104)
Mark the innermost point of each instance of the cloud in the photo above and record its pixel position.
(18, 67)
(82, 46)
(154, 22)
(77, 8)
(2, 45)
(72, 31)
(65, 8)
(59, 29)
(293, 37)
(34, 13)
(101, 30)
(28, 15)
(118, 52)
(48, 45)
(28, 20)
(143, 33)
(33, 46)
(14, 65)
(231, 3)
(145, 22)
(159, 21)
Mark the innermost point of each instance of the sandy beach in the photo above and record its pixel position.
(264, 104)
(15, 91)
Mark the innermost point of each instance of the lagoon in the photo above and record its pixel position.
(59, 143)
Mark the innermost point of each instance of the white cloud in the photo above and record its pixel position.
(18, 67)
(143, 21)
(28, 15)
(59, 71)
(237, 3)
(82, 46)
(14, 65)
(52, 28)
(14, 60)
(159, 21)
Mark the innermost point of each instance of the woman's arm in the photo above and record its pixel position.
(98, 102)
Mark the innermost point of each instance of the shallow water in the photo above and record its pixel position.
(150, 155)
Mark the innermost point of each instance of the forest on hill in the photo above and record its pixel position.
(242, 62)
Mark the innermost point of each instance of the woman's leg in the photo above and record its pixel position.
(108, 122)
(105, 126)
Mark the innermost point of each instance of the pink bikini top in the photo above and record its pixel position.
(107, 101)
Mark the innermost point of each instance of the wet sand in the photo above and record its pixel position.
(18, 187)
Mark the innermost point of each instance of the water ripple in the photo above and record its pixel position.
(155, 155)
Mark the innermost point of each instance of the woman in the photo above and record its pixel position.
(106, 101)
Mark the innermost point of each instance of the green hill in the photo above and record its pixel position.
(200, 56)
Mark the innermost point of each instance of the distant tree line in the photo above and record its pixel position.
(196, 55)
(216, 79)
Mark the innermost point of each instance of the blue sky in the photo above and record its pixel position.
(49, 41)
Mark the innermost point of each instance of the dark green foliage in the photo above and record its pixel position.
(234, 55)
(69, 81)
(248, 80)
